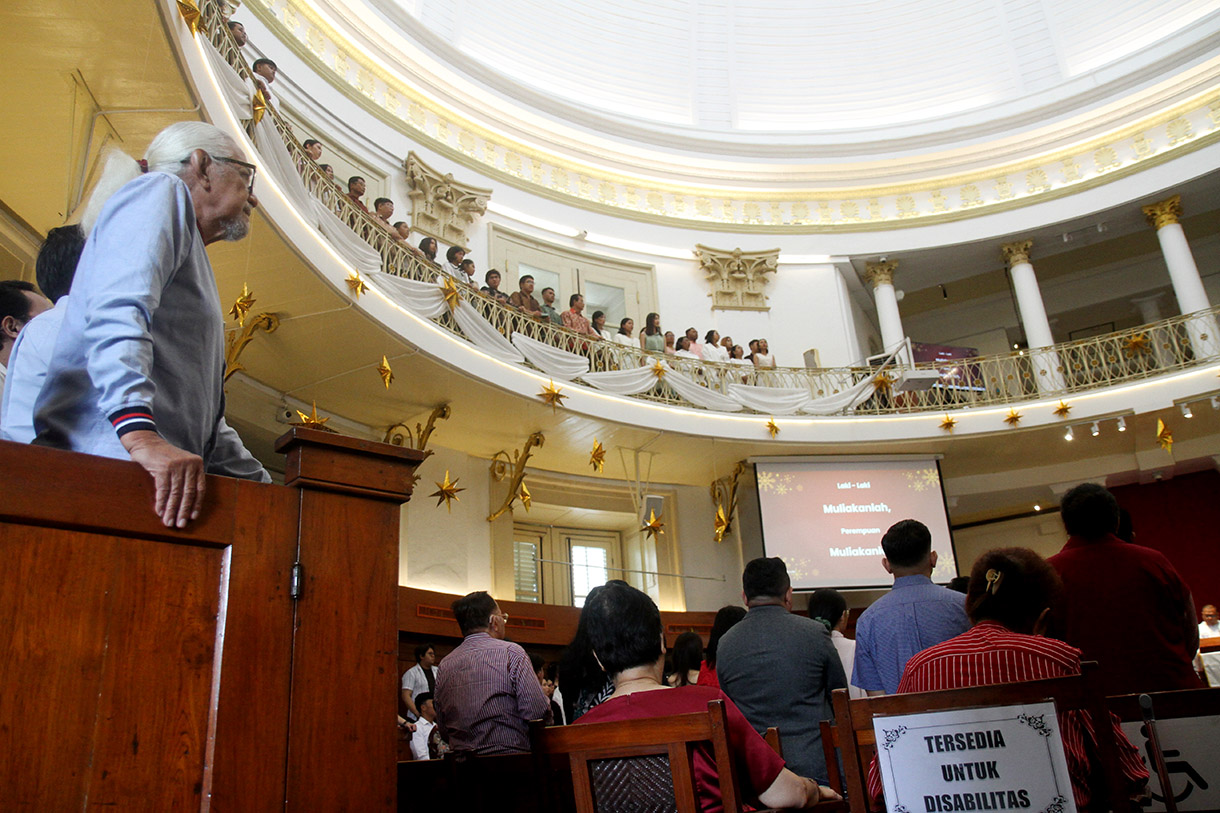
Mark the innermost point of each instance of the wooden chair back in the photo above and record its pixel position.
(830, 750)
(1168, 705)
(854, 724)
(637, 764)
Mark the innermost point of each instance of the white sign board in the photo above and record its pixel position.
(1191, 747)
(997, 758)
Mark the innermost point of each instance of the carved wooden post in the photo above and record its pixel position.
(342, 747)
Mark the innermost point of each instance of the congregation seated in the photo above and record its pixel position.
(726, 618)
(625, 634)
(1010, 600)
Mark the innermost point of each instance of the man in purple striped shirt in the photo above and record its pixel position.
(486, 690)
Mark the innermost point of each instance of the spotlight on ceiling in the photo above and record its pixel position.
(1186, 413)
(1122, 424)
(1037, 507)
(1095, 429)
(1069, 434)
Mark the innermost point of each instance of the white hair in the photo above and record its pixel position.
(166, 153)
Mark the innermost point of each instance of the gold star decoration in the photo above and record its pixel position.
(242, 306)
(1163, 436)
(1012, 418)
(525, 496)
(447, 492)
(722, 523)
(1137, 345)
(383, 369)
(312, 421)
(452, 296)
(772, 427)
(258, 105)
(597, 457)
(356, 285)
(653, 527)
(552, 396)
(658, 370)
(948, 423)
(1063, 409)
(190, 15)
(883, 384)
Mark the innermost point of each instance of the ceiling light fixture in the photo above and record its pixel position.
(1122, 424)
(1095, 429)
(1037, 507)
(1069, 434)
(1186, 413)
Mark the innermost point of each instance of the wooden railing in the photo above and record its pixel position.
(1002, 379)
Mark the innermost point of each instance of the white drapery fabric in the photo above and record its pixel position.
(551, 360)
(427, 299)
(624, 382)
(849, 398)
(699, 395)
(642, 379)
(773, 400)
(238, 92)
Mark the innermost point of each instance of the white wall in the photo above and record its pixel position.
(1042, 534)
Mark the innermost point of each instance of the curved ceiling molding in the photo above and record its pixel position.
(1178, 116)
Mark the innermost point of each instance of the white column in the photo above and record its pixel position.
(1184, 274)
(1033, 316)
(881, 275)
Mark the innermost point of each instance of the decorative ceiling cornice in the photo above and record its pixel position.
(1165, 135)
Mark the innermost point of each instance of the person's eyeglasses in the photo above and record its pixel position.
(503, 616)
(253, 169)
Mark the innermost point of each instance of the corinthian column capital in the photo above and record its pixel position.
(1164, 213)
(881, 273)
(1018, 252)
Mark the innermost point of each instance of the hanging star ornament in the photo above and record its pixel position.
(1163, 436)
(525, 496)
(1012, 418)
(242, 306)
(597, 457)
(447, 492)
(451, 294)
(552, 396)
(948, 423)
(1137, 345)
(1062, 410)
(383, 369)
(258, 105)
(312, 421)
(721, 523)
(190, 15)
(658, 370)
(883, 384)
(773, 428)
(653, 527)
(356, 285)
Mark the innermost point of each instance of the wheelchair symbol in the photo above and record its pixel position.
(1172, 766)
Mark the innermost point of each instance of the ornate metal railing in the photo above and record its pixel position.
(1127, 355)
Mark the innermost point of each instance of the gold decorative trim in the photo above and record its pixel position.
(880, 273)
(737, 277)
(1164, 213)
(1168, 134)
(400, 434)
(238, 340)
(512, 467)
(1017, 252)
(440, 206)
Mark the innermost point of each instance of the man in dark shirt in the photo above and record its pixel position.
(1125, 606)
(780, 668)
(524, 298)
(355, 190)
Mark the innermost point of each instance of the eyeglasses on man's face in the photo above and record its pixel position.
(253, 169)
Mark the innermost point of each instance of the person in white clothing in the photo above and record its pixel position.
(425, 730)
(830, 608)
(1210, 628)
(712, 351)
(418, 679)
(625, 328)
(19, 303)
(684, 350)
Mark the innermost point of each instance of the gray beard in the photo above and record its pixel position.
(235, 228)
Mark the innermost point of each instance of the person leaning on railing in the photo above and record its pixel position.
(523, 299)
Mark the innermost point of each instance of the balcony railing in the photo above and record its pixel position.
(1128, 355)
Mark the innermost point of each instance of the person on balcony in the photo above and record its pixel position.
(313, 148)
(692, 340)
(599, 326)
(264, 74)
(762, 354)
(523, 299)
(239, 33)
(453, 264)
(548, 307)
(625, 328)
(329, 170)
(574, 319)
(428, 248)
(684, 349)
(383, 210)
(712, 351)
(138, 368)
(355, 191)
(651, 338)
(670, 350)
(492, 288)
(466, 273)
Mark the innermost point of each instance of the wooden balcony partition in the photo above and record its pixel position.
(245, 663)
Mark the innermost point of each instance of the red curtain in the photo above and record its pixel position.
(1181, 518)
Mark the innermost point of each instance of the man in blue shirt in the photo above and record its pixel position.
(913, 616)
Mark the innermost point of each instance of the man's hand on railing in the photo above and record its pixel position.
(177, 475)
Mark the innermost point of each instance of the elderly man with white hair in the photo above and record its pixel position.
(138, 367)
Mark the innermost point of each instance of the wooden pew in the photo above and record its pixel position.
(854, 724)
(156, 669)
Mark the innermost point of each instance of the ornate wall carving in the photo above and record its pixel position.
(737, 277)
(440, 206)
